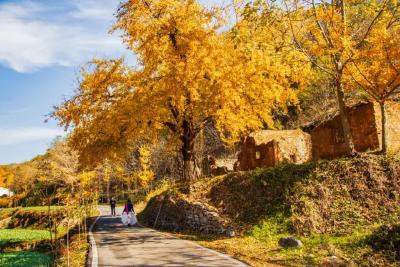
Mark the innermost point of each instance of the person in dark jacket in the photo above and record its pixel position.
(113, 202)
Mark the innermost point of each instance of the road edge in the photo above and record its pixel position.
(93, 256)
(226, 256)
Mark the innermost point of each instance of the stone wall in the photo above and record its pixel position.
(177, 213)
(252, 155)
(392, 124)
(269, 148)
(328, 140)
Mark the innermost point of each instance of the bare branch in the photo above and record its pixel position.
(323, 32)
(372, 24)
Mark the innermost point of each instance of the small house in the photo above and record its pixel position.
(365, 123)
(269, 148)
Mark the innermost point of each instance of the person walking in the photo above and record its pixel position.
(113, 202)
(128, 216)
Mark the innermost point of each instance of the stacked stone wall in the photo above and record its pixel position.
(177, 213)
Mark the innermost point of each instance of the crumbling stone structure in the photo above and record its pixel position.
(365, 123)
(268, 148)
(392, 124)
(322, 139)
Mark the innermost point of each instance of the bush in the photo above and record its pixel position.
(386, 239)
(5, 202)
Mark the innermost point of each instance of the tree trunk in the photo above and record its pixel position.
(348, 138)
(108, 189)
(190, 169)
(383, 121)
(68, 246)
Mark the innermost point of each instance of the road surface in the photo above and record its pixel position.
(118, 245)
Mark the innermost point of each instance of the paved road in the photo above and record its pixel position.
(118, 245)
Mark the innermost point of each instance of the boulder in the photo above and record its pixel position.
(230, 233)
(289, 242)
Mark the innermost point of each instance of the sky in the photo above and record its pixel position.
(43, 45)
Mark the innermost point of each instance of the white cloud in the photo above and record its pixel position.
(94, 9)
(35, 35)
(24, 135)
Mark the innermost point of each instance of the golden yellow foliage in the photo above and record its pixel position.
(376, 65)
(6, 177)
(190, 72)
(145, 175)
(332, 34)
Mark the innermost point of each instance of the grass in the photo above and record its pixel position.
(77, 254)
(259, 247)
(78, 242)
(6, 212)
(21, 235)
(338, 209)
(33, 208)
(24, 259)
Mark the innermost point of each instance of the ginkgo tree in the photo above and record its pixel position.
(330, 34)
(191, 71)
(376, 68)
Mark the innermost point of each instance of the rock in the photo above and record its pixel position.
(332, 258)
(230, 233)
(290, 242)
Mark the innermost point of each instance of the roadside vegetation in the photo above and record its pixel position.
(202, 82)
(20, 235)
(25, 259)
(30, 236)
(344, 212)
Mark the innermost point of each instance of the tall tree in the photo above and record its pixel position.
(376, 67)
(190, 72)
(329, 34)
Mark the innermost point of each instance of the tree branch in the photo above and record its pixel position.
(324, 34)
(372, 24)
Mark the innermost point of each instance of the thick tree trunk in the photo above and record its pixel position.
(383, 121)
(348, 138)
(190, 169)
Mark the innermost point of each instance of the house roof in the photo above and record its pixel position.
(265, 136)
(308, 127)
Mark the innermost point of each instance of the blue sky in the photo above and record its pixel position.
(43, 43)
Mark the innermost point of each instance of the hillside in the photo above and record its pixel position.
(346, 212)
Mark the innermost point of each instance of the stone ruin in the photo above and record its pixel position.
(321, 139)
(269, 147)
(365, 123)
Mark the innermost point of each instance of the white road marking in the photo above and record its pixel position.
(92, 241)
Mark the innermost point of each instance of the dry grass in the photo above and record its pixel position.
(333, 207)
(78, 251)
